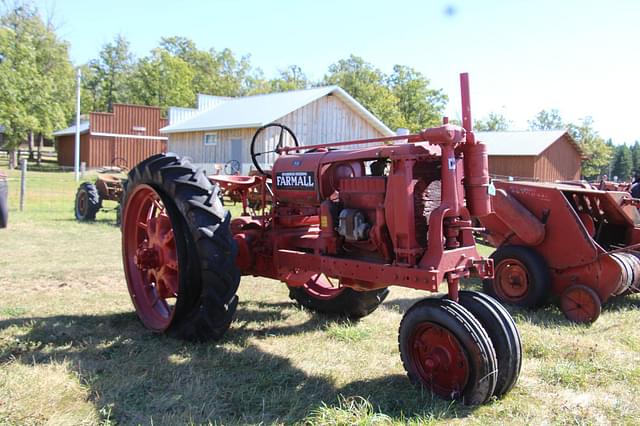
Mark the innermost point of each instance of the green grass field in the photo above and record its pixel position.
(72, 350)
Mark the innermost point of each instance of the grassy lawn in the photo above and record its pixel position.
(72, 350)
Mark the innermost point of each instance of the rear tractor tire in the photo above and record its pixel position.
(320, 294)
(521, 277)
(178, 251)
(445, 349)
(88, 202)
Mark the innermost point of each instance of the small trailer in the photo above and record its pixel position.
(563, 239)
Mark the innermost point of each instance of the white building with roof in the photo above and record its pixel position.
(220, 129)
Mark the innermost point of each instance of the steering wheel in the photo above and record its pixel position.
(281, 143)
(120, 163)
(231, 167)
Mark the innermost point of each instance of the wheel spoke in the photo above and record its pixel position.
(168, 238)
(159, 206)
(152, 269)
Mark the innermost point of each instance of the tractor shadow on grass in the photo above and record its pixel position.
(137, 376)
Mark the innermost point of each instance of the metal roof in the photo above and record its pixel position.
(84, 128)
(521, 143)
(256, 111)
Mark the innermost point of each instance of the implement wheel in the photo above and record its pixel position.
(581, 304)
(503, 334)
(446, 350)
(87, 202)
(521, 277)
(178, 253)
(322, 294)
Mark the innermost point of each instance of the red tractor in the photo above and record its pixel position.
(342, 227)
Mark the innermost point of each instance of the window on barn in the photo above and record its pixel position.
(210, 139)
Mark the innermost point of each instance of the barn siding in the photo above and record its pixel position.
(560, 161)
(65, 146)
(100, 150)
(327, 119)
(124, 118)
(511, 165)
(191, 144)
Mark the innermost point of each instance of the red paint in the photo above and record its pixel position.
(298, 239)
(439, 359)
(150, 258)
(577, 230)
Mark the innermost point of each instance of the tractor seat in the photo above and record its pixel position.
(235, 183)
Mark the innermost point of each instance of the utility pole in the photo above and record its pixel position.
(76, 164)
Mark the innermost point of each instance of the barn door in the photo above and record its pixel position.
(236, 150)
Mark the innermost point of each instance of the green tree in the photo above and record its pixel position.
(17, 72)
(547, 120)
(622, 163)
(36, 77)
(217, 73)
(107, 80)
(635, 156)
(368, 85)
(162, 80)
(494, 122)
(420, 105)
(291, 78)
(597, 153)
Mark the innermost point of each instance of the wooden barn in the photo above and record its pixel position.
(220, 129)
(538, 155)
(126, 136)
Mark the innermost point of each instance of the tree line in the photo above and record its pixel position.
(37, 83)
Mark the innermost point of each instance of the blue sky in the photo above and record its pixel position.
(580, 57)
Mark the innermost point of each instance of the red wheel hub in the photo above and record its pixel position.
(511, 280)
(150, 258)
(322, 287)
(580, 304)
(439, 359)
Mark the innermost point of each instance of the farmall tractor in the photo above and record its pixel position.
(343, 226)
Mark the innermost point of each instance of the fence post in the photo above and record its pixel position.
(83, 169)
(23, 182)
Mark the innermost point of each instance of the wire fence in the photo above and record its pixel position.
(47, 192)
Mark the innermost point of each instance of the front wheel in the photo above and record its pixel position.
(503, 333)
(446, 350)
(178, 252)
(323, 294)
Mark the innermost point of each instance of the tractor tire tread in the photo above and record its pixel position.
(94, 203)
(474, 338)
(503, 333)
(212, 302)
